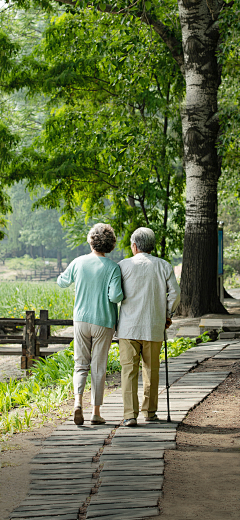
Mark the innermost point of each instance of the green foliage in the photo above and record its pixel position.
(231, 277)
(228, 56)
(176, 347)
(114, 132)
(16, 298)
(113, 364)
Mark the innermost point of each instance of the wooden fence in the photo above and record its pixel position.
(35, 338)
(47, 273)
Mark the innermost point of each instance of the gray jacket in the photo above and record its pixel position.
(151, 293)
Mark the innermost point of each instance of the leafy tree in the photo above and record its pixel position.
(127, 130)
(192, 37)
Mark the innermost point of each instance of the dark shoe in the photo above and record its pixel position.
(78, 415)
(154, 418)
(130, 422)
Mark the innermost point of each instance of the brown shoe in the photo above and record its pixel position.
(154, 418)
(78, 415)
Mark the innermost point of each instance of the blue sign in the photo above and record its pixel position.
(220, 251)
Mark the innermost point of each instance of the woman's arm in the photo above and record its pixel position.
(67, 277)
(115, 293)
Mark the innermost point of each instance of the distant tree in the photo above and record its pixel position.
(36, 232)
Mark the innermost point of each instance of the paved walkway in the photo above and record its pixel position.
(110, 472)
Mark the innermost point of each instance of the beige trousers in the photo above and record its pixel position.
(91, 346)
(130, 351)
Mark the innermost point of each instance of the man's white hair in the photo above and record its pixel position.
(144, 238)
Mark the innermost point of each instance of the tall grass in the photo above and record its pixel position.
(18, 297)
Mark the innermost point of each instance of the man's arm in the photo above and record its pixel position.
(66, 278)
(173, 294)
(115, 293)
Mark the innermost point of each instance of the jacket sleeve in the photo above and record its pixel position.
(115, 293)
(67, 277)
(173, 293)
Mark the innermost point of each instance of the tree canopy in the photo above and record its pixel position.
(114, 131)
(113, 79)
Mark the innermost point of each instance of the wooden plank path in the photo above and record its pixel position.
(110, 472)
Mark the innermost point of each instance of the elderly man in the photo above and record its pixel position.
(151, 294)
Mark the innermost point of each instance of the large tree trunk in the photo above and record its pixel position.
(200, 130)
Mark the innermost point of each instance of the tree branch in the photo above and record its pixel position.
(162, 30)
(141, 200)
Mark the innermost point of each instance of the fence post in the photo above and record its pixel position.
(44, 329)
(30, 339)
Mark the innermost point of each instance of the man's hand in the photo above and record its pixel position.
(168, 323)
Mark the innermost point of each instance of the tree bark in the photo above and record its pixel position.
(200, 130)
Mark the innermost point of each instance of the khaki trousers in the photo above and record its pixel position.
(91, 346)
(130, 351)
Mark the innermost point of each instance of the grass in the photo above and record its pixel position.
(18, 297)
(51, 383)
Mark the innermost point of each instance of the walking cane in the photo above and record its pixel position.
(167, 382)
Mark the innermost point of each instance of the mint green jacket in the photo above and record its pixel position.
(97, 289)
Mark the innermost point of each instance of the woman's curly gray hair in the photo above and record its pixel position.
(102, 238)
(144, 238)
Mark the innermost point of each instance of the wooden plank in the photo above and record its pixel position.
(162, 445)
(136, 466)
(50, 445)
(134, 513)
(78, 449)
(64, 516)
(143, 481)
(64, 476)
(68, 485)
(145, 496)
(39, 321)
(60, 467)
(130, 485)
(48, 460)
(48, 511)
(80, 453)
(54, 499)
(55, 340)
(12, 321)
(10, 351)
(155, 437)
(96, 505)
(44, 329)
(67, 491)
(59, 484)
(18, 341)
(122, 476)
(28, 504)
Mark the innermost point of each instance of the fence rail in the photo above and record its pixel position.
(38, 275)
(36, 335)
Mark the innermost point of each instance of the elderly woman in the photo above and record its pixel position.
(97, 292)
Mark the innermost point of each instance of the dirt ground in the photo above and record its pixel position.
(202, 477)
